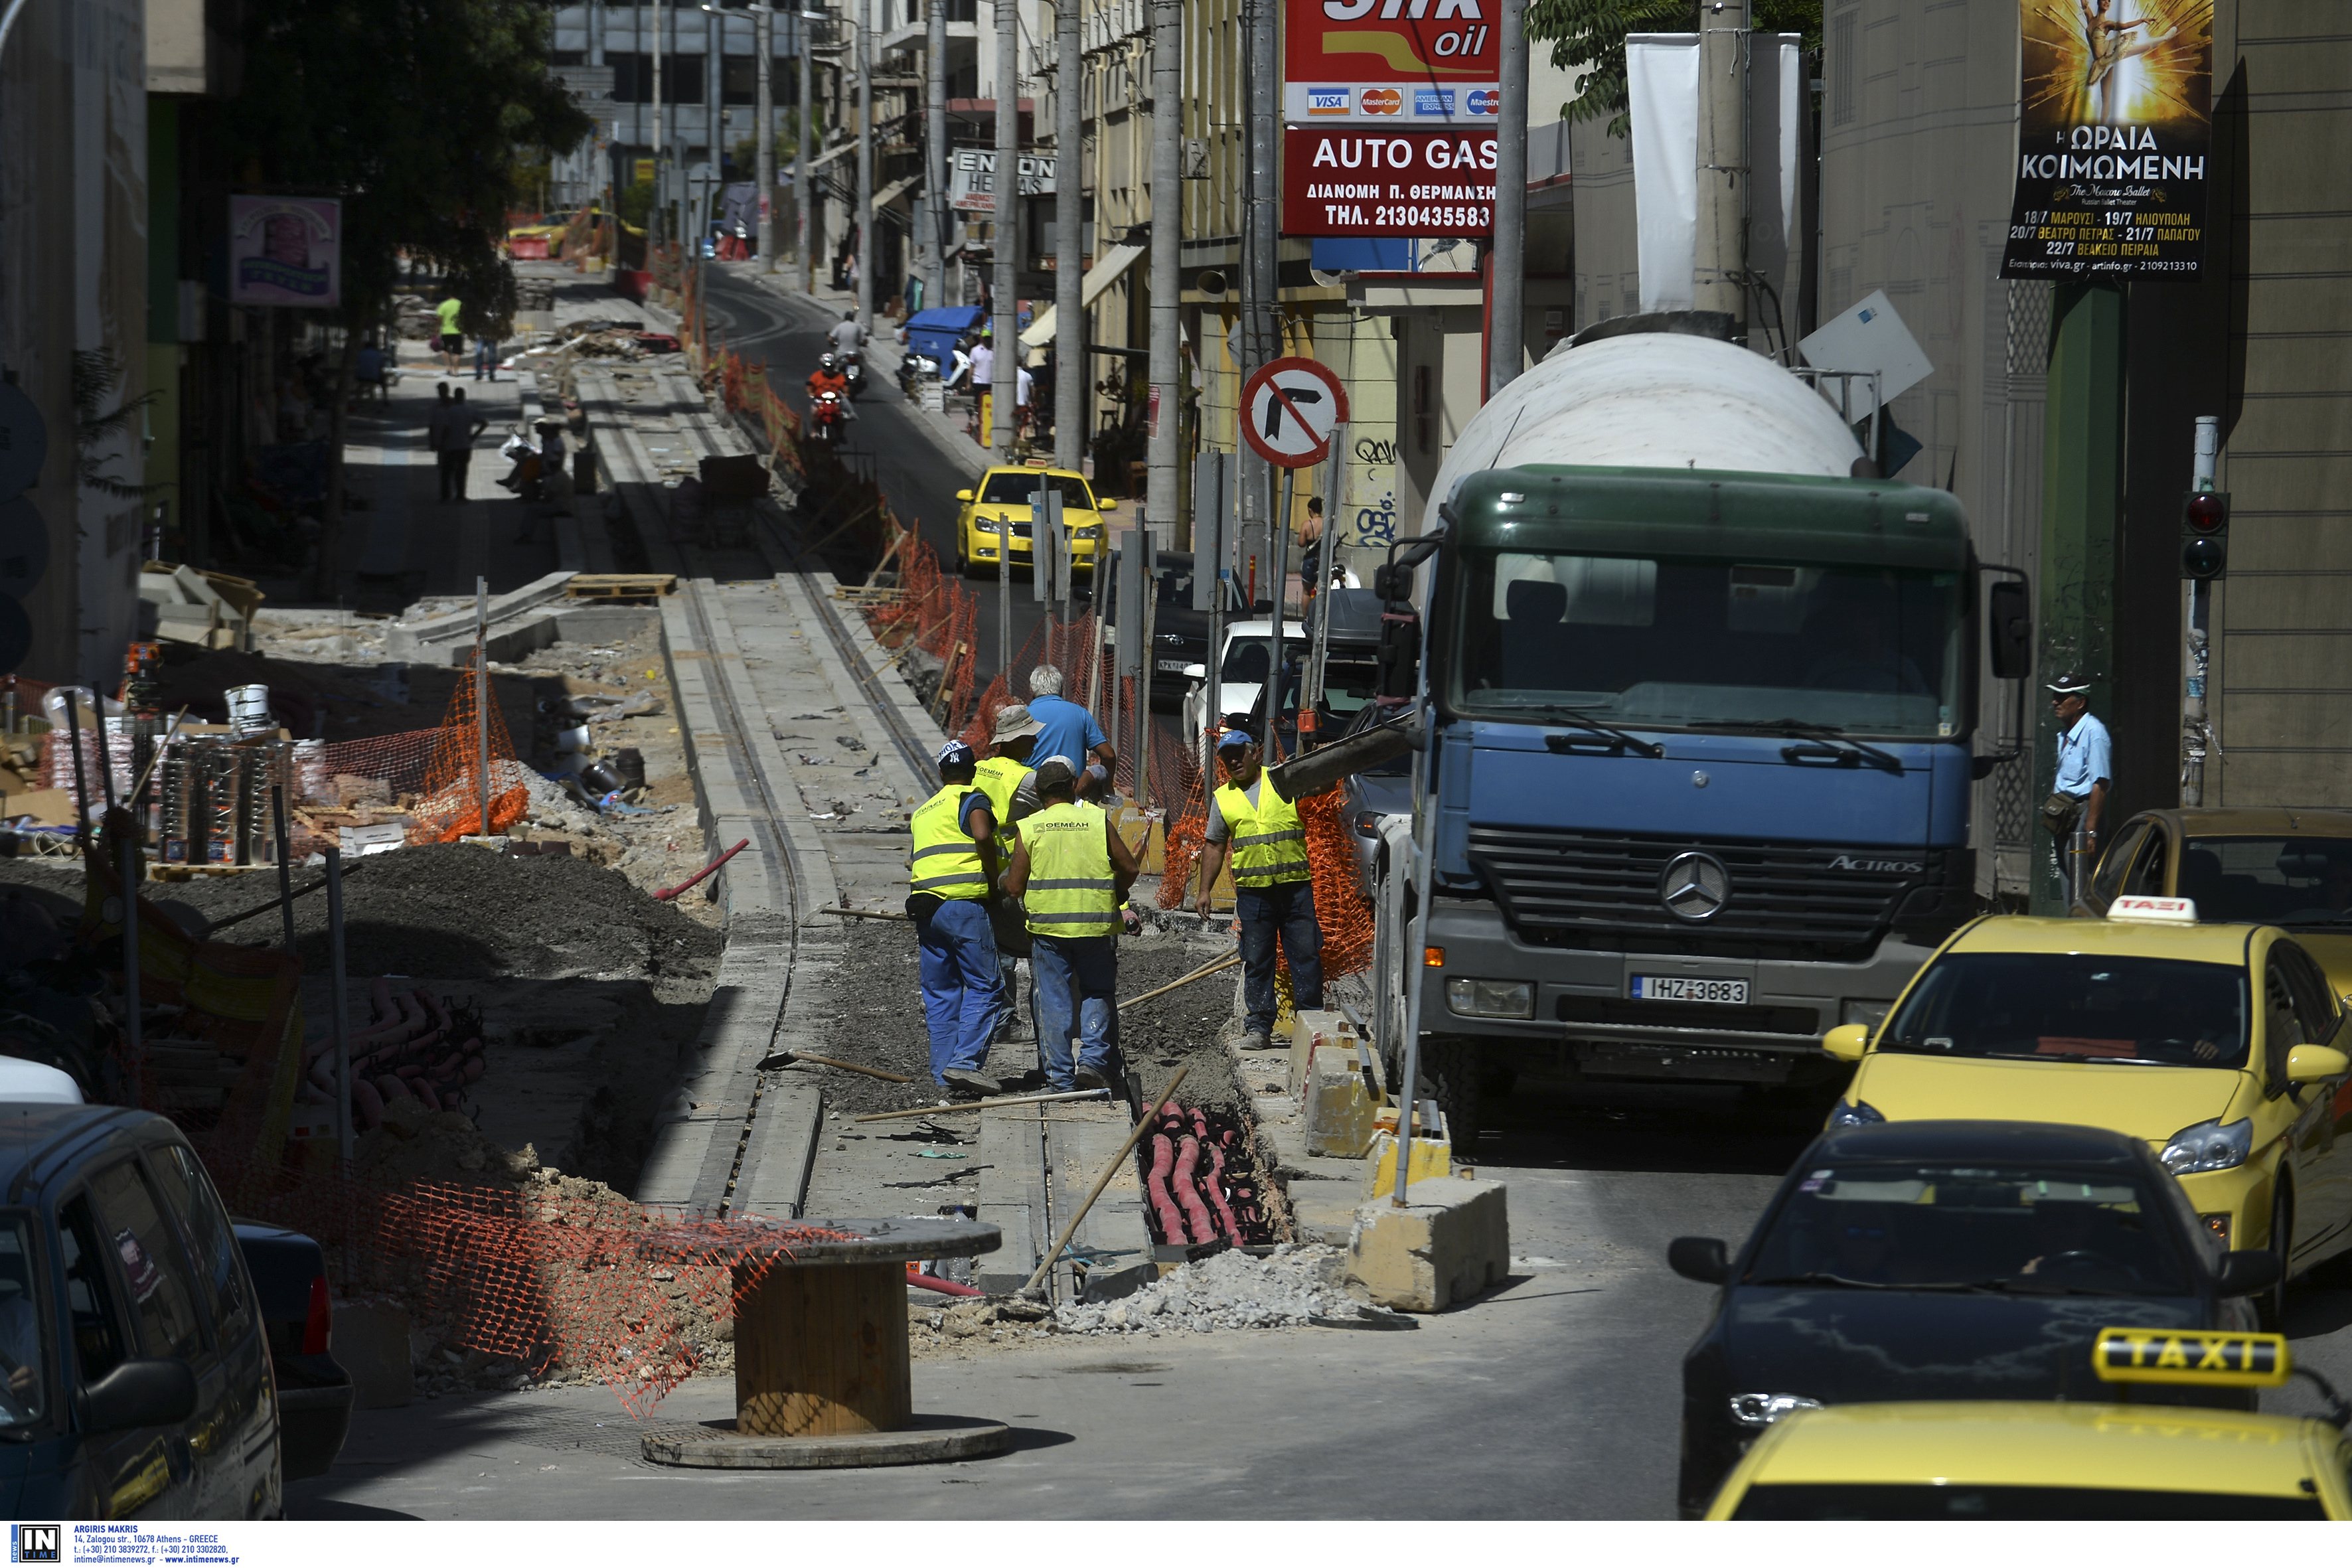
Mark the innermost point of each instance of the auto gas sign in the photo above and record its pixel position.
(1354, 180)
(1403, 63)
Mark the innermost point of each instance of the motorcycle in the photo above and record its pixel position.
(853, 367)
(826, 413)
(914, 369)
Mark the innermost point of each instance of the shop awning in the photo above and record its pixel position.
(1099, 277)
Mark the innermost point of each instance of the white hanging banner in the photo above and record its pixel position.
(1662, 102)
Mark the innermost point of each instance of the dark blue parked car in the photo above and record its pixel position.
(135, 1377)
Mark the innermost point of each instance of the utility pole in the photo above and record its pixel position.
(763, 161)
(1071, 363)
(935, 150)
(1162, 482)
(1260, 337)
(1006, 192)
(804, 184)
(654, 207)
(1719, 280)
(2195, 734)
(865, 164)
(1507, 261)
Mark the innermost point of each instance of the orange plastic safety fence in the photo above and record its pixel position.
(449, 806)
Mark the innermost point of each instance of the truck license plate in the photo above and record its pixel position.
(1686, 988)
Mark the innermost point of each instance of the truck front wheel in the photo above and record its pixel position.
(1450, 1063)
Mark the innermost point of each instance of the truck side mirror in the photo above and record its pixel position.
(2009, 630)
(1385, 583)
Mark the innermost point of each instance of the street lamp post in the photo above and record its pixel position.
(803, 186)
(763, 39)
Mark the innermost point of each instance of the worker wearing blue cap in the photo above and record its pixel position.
(949, 883)
(1273, 888)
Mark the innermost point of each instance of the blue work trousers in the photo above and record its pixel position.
(1077, 979)
(963, 994)
(1286, 910)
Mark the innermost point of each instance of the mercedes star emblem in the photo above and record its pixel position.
(1694, 886)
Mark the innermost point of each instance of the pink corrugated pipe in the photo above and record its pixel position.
(1217, 1192)
(1188, 1189)
(1163, 1204)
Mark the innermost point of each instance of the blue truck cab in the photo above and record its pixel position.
(1699, 751)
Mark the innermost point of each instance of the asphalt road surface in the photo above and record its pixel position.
(1555, 1396)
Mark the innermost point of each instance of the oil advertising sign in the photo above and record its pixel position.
(1396, 65)
(2115, 131)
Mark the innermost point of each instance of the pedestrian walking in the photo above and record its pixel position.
(1273, 888)
(1068, 730)
(1025, 387)
(951, 882)
(452, 335)
(486, 359)
(1073, 870)
(2078, 791)
(459, 428)
(983, 379)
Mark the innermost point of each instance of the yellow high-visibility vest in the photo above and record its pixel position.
(998, 777)
(1071, 892)
(946, 862)
(1267, 842)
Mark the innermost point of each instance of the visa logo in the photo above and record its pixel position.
(1327, 100)
(1485, 100)
(1432, 100)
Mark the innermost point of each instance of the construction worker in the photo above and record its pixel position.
(1002, 771)
(954, 866)
(1274, 889)
(1072, 868)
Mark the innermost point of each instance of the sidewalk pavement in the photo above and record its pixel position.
(402, 541)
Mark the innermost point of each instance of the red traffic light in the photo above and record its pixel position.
(2207, 512)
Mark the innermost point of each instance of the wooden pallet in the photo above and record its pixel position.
(620, 585)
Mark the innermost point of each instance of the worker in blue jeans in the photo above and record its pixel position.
(949, 881)
(1274, 886)
(1072, 870)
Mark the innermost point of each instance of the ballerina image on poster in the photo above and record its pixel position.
(2108, 43)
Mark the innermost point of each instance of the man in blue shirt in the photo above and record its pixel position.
(1068, 730)
(2080, 789)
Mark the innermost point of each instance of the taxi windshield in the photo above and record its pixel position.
(2075, 1006)
(2276, 880)
(2010, 1229)
(1019, 489)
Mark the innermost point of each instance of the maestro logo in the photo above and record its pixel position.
(1433, 100)
(1485, 100)
(1381, 101)
(1327, 100)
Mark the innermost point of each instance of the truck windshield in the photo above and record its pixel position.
(1676, 643)
(24, 1395)
(2075, 1006)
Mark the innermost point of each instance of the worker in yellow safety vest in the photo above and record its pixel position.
(1004, 773)
(1073, 870)
(1273, 888)
(948, 884)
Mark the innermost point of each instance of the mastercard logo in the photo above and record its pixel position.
(1381, 101)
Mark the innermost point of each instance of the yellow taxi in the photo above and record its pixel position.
(2004, 1460)
(2261, 864)
(1002, 502)
(2223, 1046)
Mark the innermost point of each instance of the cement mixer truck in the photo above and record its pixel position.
(1695, 713)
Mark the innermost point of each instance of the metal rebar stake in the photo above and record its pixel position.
(482, 701)
(345, 1137)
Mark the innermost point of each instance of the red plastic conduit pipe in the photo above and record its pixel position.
(1163, 1202)
(691, 881)
(944, 1287)
(1188, 1191)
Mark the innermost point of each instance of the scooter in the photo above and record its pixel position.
(914, 369)
(853, 368)
(826, 413)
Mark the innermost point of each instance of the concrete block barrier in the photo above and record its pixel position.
(1451, 1242)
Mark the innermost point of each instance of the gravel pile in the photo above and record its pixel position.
(1231, 1291)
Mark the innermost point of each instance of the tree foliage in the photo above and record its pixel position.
(1590, 35)
(422, 115)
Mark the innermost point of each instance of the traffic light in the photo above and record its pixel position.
(2204, 535)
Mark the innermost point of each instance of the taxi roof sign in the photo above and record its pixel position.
(2213, 1359)
(2144, 907)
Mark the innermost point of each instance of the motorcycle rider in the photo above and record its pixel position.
(828, 377)
(848, 340)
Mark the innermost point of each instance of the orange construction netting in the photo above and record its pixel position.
(449, 806)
